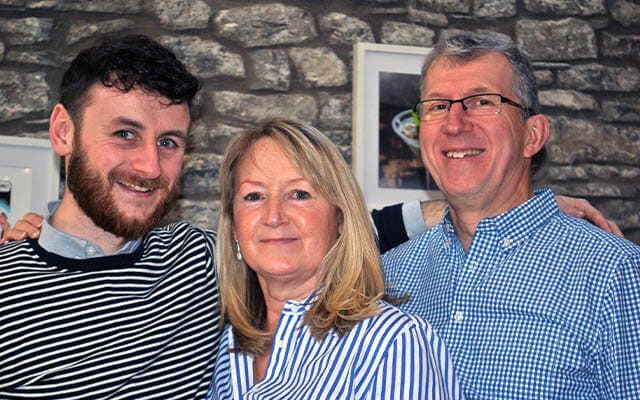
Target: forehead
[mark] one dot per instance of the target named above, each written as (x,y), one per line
(138,105)
(453,78)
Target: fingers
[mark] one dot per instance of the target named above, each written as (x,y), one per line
(28,227)
(581,208)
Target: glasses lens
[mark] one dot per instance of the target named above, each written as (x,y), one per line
(483,104)
(434,109)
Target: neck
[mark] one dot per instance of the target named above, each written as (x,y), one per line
(466,213)
(70,219)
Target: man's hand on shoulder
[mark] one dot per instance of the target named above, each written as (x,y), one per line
(581,208)
(28,227)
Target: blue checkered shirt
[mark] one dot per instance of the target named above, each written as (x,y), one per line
(542,306)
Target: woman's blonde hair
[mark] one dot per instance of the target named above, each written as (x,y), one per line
(351,283)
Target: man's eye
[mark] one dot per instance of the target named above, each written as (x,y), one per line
(301,195)
(252,197)
(167,143)
(124,134)
(440,106)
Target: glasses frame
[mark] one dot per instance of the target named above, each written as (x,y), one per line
(503,99)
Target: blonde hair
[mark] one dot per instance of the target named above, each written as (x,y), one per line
(352,282)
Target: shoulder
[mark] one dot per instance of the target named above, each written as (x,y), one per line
(393,323)
(414,248)
(580,236)
(180,234)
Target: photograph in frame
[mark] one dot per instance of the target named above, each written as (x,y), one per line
(386,156)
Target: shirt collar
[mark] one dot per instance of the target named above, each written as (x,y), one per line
(58,242)
(517,224)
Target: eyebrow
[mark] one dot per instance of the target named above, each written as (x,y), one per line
(473,91)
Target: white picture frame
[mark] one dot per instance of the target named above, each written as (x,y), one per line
(382,76)
(29,175)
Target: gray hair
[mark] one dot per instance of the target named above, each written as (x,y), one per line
(468,46)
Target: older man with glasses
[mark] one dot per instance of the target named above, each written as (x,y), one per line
(531,303)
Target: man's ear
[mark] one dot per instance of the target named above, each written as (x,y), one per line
(537,134)
(61,130)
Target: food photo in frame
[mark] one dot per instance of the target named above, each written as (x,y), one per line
(386,152)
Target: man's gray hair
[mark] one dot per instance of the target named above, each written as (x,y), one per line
(469,46)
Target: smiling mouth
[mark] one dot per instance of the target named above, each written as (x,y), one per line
(462,154)
(133,187)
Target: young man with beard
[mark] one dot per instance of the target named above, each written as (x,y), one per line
(531,303)
(103,305)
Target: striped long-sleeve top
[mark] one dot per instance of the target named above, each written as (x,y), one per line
(393,355)
(142,325)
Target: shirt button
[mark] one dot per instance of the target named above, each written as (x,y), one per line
(91,251)
(447,243)
(506,242)
(458,317)
(280,343)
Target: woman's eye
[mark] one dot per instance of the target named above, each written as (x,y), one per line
(252,197)
(301,195)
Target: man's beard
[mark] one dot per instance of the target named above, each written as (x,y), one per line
(93,195)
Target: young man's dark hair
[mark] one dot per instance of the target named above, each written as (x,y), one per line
(125,63)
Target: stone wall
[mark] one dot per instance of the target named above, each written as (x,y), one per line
(294,58)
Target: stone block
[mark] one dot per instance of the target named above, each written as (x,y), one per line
(600,77)
(111,6)
(622,110)
(318,67)
(564,7)
(544,77)
(265,24)
(205,58)
(566,39)
(406,34)
(427,18)
(621,46)
(269,69)
(180,14)
(33,57)
(494,8)
(254,109)
(339,28)
(335,111)
(200,174)
(444,6)
(571,99)
(626,12)
(83,30)
(581,141)
(30,30)
(22,94)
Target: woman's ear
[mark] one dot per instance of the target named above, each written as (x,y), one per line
(537,134)
(61,130)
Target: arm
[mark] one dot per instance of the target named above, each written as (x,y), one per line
(619,346)
(390,222)
(415,366)
(29,226)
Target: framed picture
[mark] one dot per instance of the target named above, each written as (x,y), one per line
(29,175)
(386,153)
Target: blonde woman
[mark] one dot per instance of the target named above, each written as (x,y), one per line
(301,286)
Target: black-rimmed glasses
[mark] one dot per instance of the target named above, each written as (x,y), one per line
(478,104)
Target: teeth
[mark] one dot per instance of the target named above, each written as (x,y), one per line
(134,187)
(461,154)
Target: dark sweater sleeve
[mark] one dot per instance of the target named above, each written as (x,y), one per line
(390,227)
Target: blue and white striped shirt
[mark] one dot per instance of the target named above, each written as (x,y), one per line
(542,306)
(393,355)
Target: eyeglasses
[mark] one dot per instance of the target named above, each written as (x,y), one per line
(479,104)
